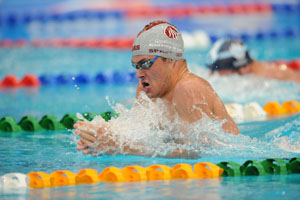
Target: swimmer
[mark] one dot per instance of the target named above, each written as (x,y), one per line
(157,55)
(228,56)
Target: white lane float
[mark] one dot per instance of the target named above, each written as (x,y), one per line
(13,180)
(249,112)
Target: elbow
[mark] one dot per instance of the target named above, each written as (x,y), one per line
(231,128)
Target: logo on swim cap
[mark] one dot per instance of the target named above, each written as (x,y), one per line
(171,32)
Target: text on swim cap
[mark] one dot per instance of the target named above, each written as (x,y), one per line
(164,52)
(136,47)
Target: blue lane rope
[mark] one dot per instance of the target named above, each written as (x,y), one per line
(115,77)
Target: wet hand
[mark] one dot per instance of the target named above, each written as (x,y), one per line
(85,148)
(92,138)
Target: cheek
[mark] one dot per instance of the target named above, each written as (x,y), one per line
(157,77)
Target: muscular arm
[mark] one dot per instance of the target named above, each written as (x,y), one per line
(193,96)
(275,71)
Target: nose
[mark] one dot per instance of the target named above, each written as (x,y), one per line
(140,73)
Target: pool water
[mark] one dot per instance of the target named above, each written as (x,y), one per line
(55,150)
(49,151)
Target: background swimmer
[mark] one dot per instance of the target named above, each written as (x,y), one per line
(228,56)
(164,76)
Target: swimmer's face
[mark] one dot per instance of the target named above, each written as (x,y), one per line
(155,80)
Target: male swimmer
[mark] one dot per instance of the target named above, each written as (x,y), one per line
(228,56)
(157,55)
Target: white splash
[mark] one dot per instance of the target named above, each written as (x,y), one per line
(147,128)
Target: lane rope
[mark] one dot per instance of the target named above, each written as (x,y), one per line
(201,170)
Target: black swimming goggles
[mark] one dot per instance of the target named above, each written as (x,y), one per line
(144,64)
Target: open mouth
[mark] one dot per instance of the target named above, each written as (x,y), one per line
(145,84)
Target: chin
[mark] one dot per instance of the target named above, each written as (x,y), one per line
(150,95)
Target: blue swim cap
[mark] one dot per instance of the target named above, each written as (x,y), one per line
(228,54)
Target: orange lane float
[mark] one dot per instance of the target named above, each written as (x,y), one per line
(87,176)
(287,107)
(207,170)
(182,171)
(39,179)
(62,178)
(274,108)
(291,106)
(129,173)
(158,172)
(111,174)
(134,173)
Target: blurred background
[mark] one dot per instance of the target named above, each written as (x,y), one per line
(113,24)
(49,19)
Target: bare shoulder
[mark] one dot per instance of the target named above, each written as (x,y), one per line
(193,83)
(194,90)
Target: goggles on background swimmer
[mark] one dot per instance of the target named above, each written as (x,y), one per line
(144,64)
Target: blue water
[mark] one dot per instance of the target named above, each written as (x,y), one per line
(56,150)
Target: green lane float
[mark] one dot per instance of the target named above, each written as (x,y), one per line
(294,166)
(89,116)
(252,168)
(48,122)
(9,124)
(230,168)
(274,166)
(69,120)
(108,115)
(29,123)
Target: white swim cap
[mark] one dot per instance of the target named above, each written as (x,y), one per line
(161,39)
